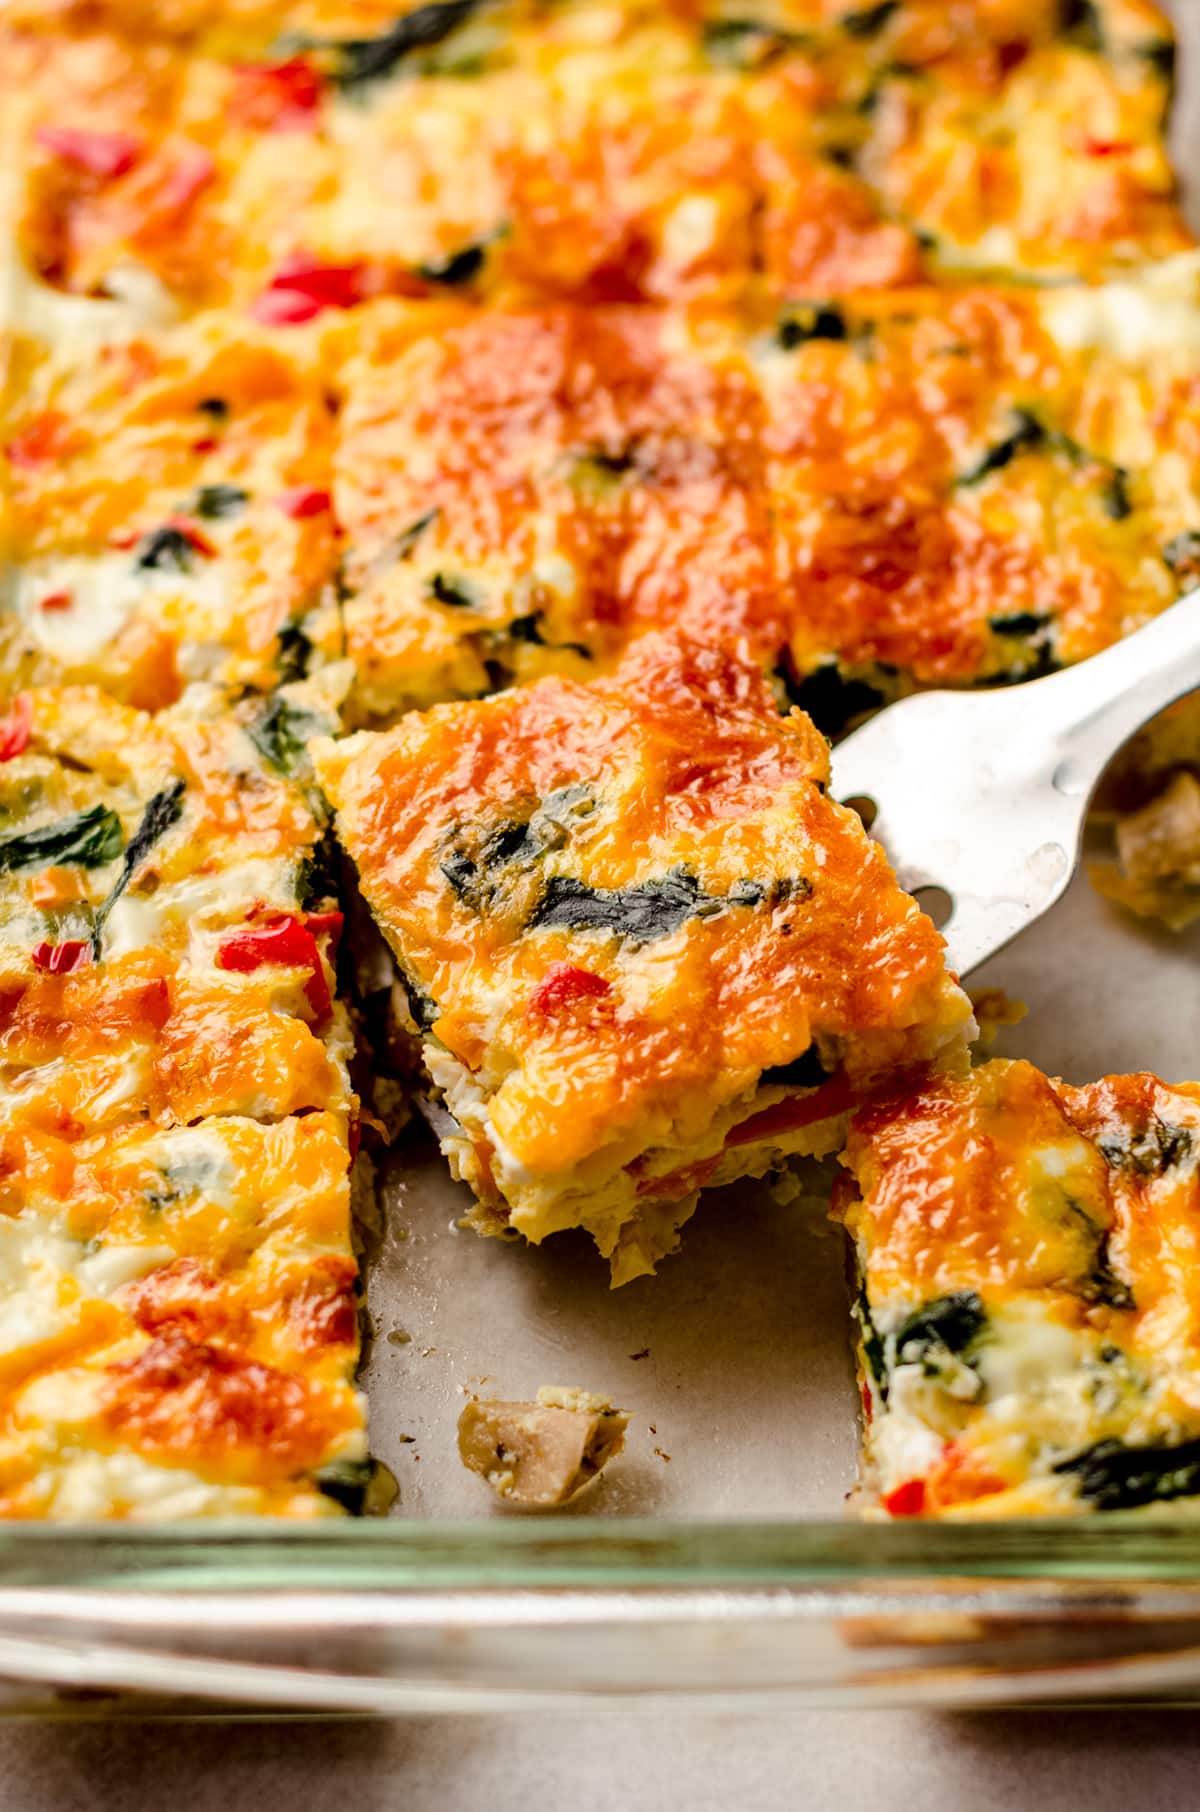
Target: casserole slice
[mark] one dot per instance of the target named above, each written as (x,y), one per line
(1026,1309)
(169,517)
(645,951)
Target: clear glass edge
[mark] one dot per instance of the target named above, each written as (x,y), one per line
(597,1553)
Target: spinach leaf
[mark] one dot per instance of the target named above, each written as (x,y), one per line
(214,501)
(1020,622)
(162,811)
(1113,1476)
(1080,21)
(805,1071)
(1149,1150)
(294,649)
(1182,555)
(952,1322)
(165,550)
(347,1482)
(804,321)
(744,43)
(89,839)
(215,407)
(359,60)
(1026,432)
(868,21)
(1104,1285)
(872,1345)
(1160,54)
(453,591)
(281,732)
(830,698)
(1114,495)
(461,267)
(642,912)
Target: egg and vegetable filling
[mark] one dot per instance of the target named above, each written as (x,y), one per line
(934,487)
(1027,1301)
(298,159)
(646,952)
(168,511)
(178,1322)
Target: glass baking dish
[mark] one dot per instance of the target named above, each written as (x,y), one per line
(714,1557)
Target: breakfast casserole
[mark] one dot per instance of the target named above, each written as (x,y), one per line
(1026,1311)
(646,951)
(294,159)
(178,1317)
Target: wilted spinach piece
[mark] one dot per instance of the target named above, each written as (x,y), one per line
(216,500)
(293,650)
(642,912)
(453,591)
(1025,433)
(165,550)
(460,267)
(1114,495)
(868,21)
(952,1322)
(347,1482)
(1113,1476)
(477,863)
(1151,1150)
(1103,1285)
(87,839)
(162,811)
(744,43)
(358,60)
(872,1345)
(830,698)
(1020,622)
(1160,54)
(281,732)
(1182,555)
(805,1071)
(215,407)
(804,321)
(1080,21)
(320,873)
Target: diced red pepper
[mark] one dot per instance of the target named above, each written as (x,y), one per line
(207,444)
(305,500)
(303,286)
(326,923)
(562,984)
(194,536)
(1106,147)
(907,1499)
(56,600)
(276,97)
(288,943)
(833,1097)
(46,437)
(192,171)
(61,959)
(15,728)
(104,154)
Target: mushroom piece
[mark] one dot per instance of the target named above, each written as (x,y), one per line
(540,1454)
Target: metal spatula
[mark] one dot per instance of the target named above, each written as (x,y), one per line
(984,794)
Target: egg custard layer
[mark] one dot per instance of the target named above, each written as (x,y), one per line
(647,953)
(178,1317)
(1027,1305)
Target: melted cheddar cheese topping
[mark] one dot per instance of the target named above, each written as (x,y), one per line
(633,926)
(1029,1313)
(935,487)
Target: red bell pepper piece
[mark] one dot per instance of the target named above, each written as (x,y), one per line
(303,286)
(276,97)
(562,984)
(15,728)
(104,154)
(305,500)
(46,437)
(290,944)
(61,959)
(907,1499)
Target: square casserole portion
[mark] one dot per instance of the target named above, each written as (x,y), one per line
(647,953)
(1027,1295)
